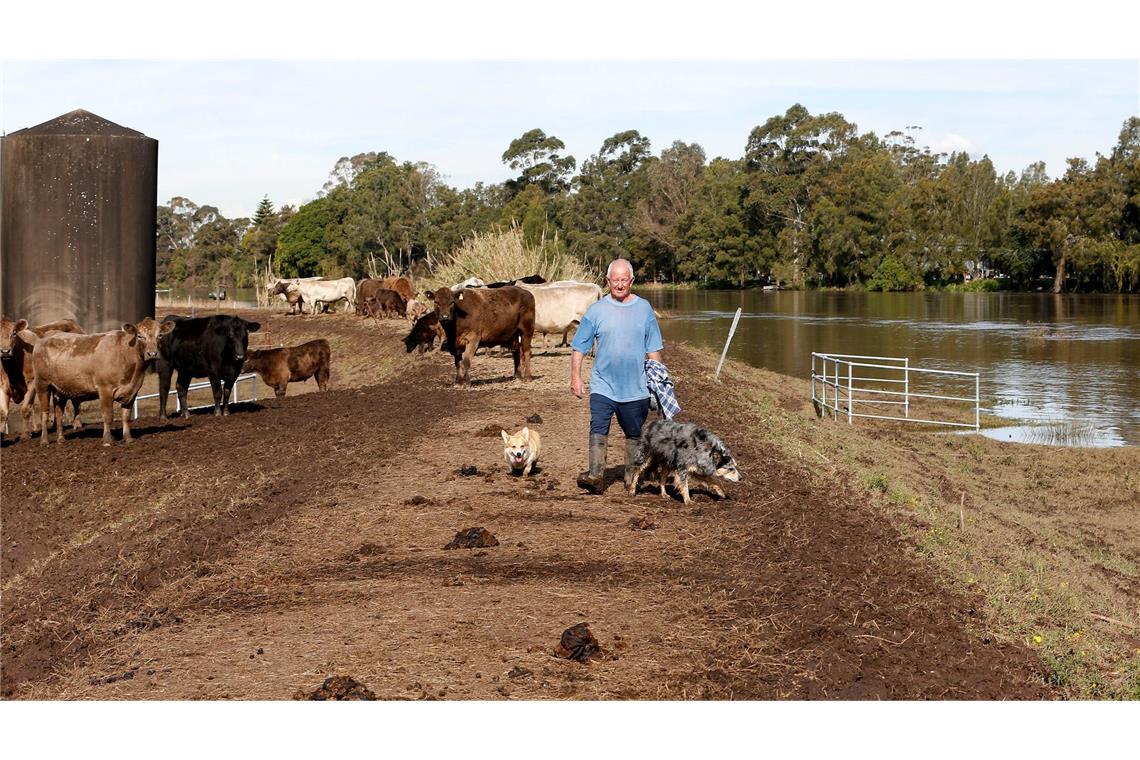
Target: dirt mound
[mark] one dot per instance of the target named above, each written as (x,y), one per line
(338,688)
(472,538)
(578,643)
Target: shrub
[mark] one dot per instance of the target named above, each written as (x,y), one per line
(504,255)
(891,275)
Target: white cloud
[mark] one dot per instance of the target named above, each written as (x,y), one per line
(951,143)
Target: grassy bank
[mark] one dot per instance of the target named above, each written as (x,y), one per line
(1049,537)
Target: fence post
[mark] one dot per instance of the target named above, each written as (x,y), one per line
(850,394)
(906,386)
(731,332)
(977,401)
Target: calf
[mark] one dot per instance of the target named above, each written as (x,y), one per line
(424,333)
(108,366)
(475,317)
(385,303)
(213,347)
(293,297)
(277,367)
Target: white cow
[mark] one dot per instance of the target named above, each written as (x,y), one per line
(327,292)
(558,306)
(470,282)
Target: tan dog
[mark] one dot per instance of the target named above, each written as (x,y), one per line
(521,450)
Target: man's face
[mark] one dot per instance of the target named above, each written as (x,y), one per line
(620,281)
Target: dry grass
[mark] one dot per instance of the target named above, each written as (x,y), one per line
(1050,536)
(504,255)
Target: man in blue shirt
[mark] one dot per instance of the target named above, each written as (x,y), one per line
(627,333)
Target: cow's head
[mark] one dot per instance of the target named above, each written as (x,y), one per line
(143,337)
(280,288)
(423,333)
(8,332)
(234,332)
(444,304)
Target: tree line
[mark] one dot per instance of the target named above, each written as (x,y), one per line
(812,203)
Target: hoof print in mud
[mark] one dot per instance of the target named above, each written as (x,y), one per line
(338,688)
(578,643)
(472,538)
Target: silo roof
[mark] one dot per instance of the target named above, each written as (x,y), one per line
(79,122)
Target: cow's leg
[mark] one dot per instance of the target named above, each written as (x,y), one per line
(27,412)
(127,423)
(323,378)
(468,355)
(164,391)
(60,405)
(107,407)
(183,390)
(524,364)
(216,387)
(279,389)
(76,423)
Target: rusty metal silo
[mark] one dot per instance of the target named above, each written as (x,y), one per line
(77,222)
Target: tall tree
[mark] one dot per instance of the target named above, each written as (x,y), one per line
(538,159)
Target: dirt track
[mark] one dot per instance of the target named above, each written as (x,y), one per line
(251,557)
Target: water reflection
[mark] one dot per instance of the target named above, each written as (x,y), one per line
(1043,357)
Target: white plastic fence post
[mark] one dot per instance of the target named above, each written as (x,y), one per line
(731,332)
(850,395)
(906,386)
(977,401)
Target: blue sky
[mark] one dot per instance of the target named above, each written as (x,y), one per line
(232,129)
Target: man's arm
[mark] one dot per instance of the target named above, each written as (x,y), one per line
(654,355)
(576,386)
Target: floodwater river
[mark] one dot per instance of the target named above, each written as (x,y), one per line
(1064,369)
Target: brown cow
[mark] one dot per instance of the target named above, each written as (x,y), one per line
(424,333)
(385,303)
(278,367)
(5,400)
(368,288)
(17,342)
(472,318)
(108,366)
(401,285)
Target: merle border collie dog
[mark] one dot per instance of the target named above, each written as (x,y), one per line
(686,451)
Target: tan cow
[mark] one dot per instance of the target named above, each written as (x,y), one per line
(558,306)
(278,367)
(17,342)
(108,366)
(5,400)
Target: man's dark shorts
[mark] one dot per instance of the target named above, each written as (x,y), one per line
(631,415)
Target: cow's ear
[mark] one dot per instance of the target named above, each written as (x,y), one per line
(20,326)
(165,327)
(130,329)
(253,326)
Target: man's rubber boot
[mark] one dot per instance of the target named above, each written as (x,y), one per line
(632,459)
(594,479)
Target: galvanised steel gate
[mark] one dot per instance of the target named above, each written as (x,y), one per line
(853,385)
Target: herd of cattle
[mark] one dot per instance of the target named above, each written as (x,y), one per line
(56,363)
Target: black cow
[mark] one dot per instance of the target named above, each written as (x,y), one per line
(213,347)
(530,279)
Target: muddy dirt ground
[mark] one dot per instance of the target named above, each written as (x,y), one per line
(254,556)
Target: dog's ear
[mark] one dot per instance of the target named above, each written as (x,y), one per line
(505,436)
(526,433)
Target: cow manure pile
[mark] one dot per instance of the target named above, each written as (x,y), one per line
(578,643)
(488,431)
(340,688)
(535,419)
(641,523)
(472,538)
(417,500)
(468,470)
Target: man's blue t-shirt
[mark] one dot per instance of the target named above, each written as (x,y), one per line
(626,332)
